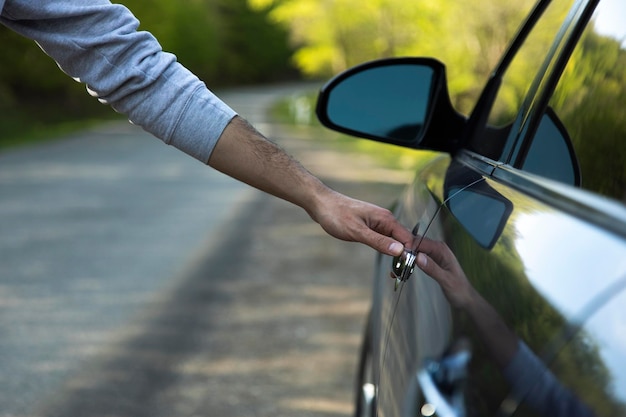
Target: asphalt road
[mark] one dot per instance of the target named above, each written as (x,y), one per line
(135,281)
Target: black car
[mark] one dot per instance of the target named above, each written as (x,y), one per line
(528,192)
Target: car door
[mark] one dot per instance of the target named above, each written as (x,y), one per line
(555,273)
(423,332)
(543,255)
(412,318)
(519,237)
(584,101)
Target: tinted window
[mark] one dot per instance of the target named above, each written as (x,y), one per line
(520,74)
(551,153)
(590,100)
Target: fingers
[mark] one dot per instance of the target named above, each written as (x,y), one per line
(382,244)
(438,251)
(437,260)
(381,236)
(430,267)
(357,221)
(387,235)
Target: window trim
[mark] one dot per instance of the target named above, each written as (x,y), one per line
(479,115)
(586,205)
(543,87)
(525,124)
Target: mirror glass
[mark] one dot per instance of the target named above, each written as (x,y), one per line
(389,101)
(481,210)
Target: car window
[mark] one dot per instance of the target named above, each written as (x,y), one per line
(517,80)
(590,101)
(551,153)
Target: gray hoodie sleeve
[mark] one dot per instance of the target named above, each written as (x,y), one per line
(97,43)
(533,383)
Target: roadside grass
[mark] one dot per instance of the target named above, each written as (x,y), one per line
(299,110)
(26,125)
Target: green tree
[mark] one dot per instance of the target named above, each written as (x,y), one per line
(333,35)
(252,49)
(221,41)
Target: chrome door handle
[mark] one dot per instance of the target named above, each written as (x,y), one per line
(441,383)
(403,265)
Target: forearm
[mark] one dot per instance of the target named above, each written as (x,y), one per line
(246,155)
(499,340)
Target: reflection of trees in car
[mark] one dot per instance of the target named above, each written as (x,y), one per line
(530,380)
(575,381)
(520,72)
(591,101)
(533,319)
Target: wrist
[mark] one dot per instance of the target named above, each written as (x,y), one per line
(315,195)
(473,303)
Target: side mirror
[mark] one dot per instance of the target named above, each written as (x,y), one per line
(482,211)
(402,101)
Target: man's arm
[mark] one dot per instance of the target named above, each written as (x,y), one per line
(246,155)
(98,43)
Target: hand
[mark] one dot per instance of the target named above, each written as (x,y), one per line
(437,261)
(357,221)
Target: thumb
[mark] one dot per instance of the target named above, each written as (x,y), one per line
(430,267)
(383,244)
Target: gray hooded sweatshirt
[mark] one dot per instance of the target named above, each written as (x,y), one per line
(97,43)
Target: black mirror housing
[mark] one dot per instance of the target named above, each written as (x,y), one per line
(402,101)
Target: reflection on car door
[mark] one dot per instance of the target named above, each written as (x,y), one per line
(415,319)
(514,250)
(394,304)
(543,284)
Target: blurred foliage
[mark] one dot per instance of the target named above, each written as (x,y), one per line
(591,102)
(330,36)
(224,42)
(227,42)
(333,35)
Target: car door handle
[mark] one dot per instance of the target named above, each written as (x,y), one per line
(403,265)
(441,383)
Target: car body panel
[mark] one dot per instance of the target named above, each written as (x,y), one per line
(420,205)
(600,381)
(540,292)
(546,256)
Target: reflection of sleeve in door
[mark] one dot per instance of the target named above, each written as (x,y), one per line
(533,383)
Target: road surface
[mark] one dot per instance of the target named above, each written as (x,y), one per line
(135,281)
